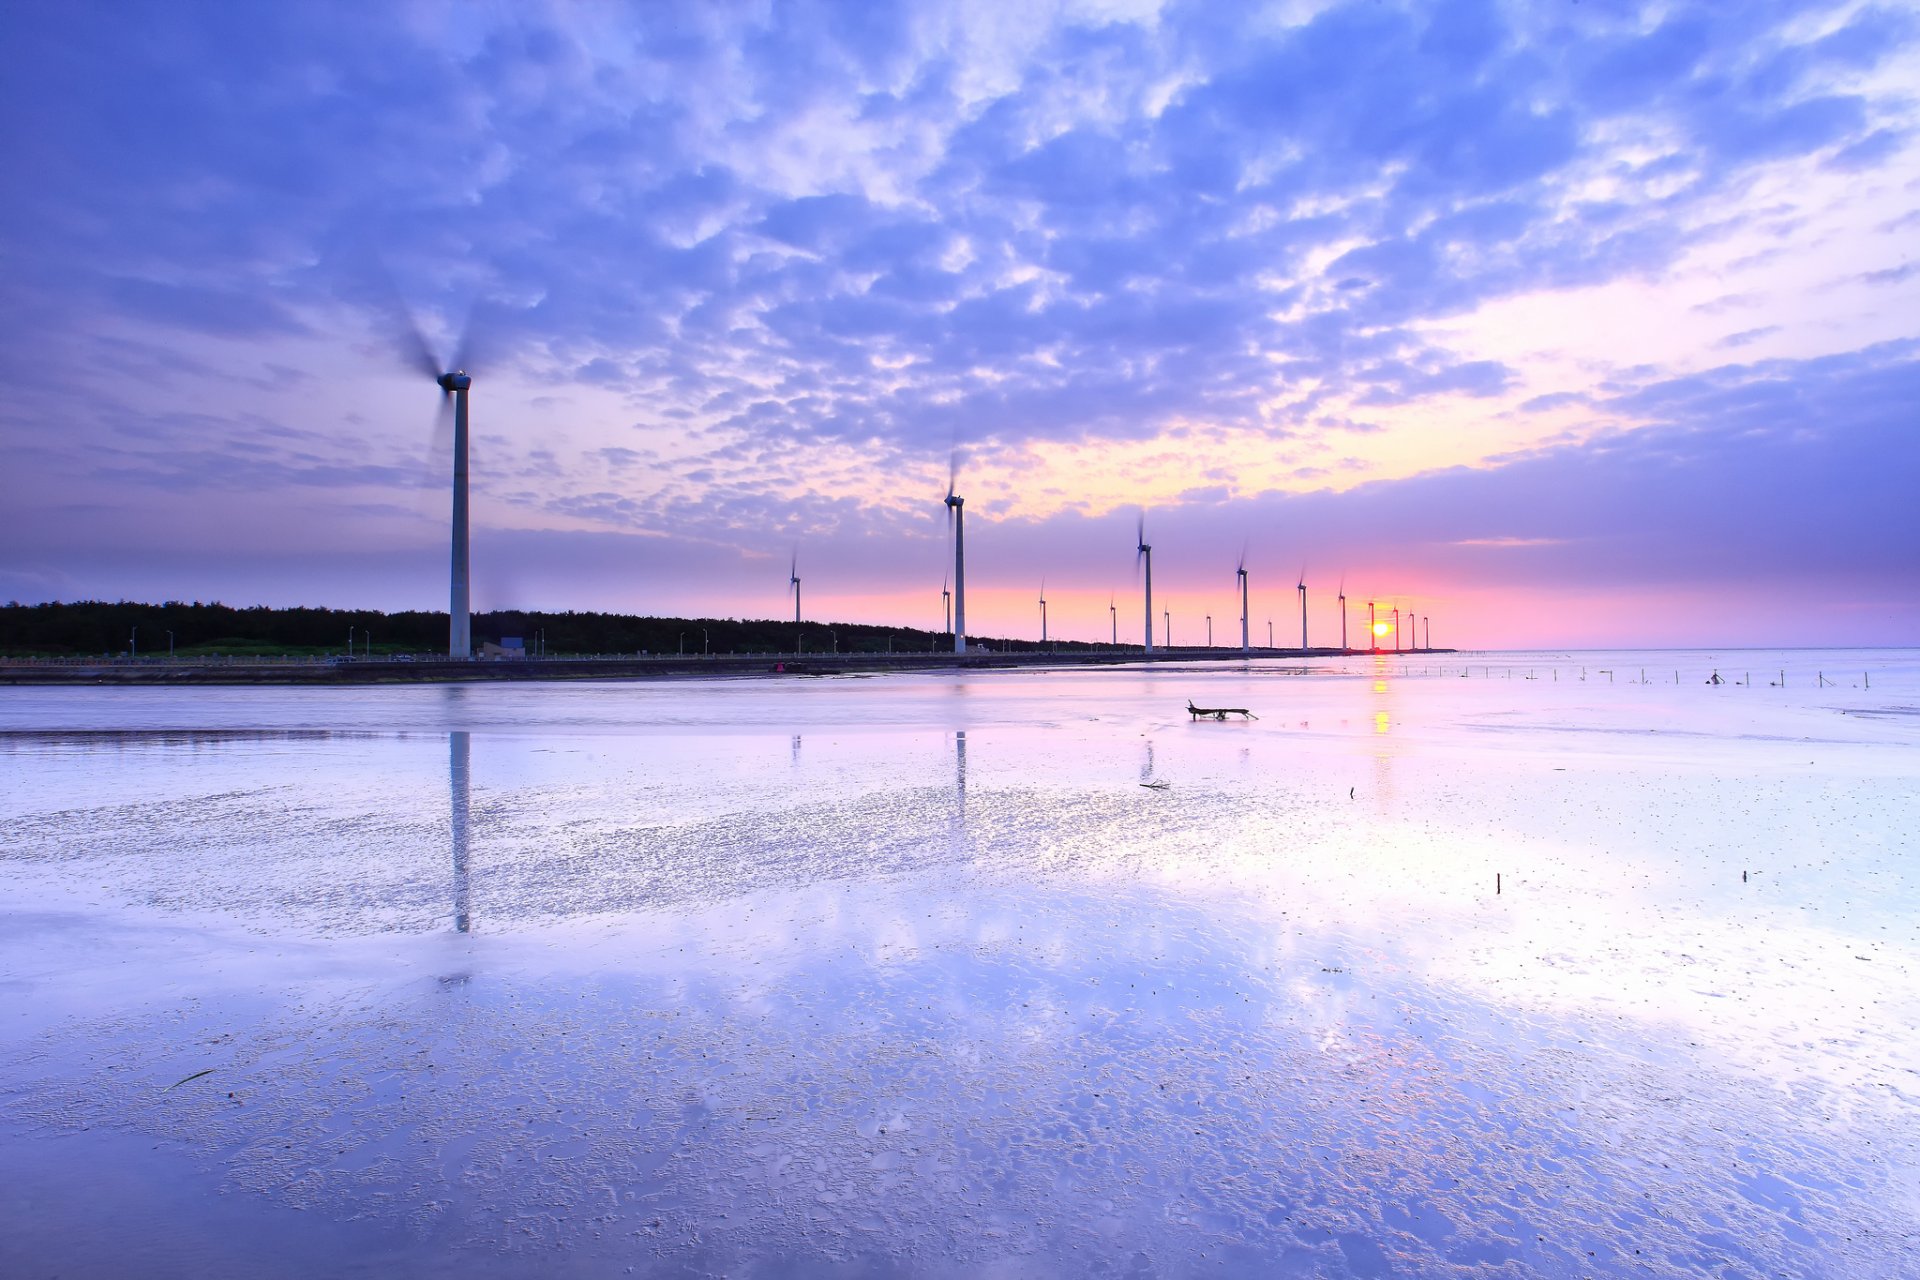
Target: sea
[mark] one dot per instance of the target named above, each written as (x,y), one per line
(1491,964)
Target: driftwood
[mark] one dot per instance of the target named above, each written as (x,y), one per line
(1217,713)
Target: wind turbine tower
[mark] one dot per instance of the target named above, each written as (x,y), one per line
(1303,608)
(793,585)
(1144,554)
(1343,614)
(1373,637)
(459,608)
(1043,612)
(1241,573)
(957,519)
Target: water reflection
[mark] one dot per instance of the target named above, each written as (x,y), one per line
(959,791)
(459,788)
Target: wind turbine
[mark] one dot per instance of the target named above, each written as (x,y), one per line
(1113,617)
(957,521)
(454,385)
(1303,608)
(1396,628)
(1343,613)
(793,584)
(946,604)
(1373,637)
(1143,554)
(1241,573)
(1428,624)
(1043,612)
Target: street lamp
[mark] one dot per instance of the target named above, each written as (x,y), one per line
(703,641)
(133,642)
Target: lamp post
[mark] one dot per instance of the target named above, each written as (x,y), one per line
(169,646)
(133,642)
(349,642)
(704,650)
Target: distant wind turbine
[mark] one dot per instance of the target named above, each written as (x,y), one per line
(1043,612)
(1143,554)
(1343,613)
(957,521)
(1241,573)
(793,584)
(1113,617)
(1303,608)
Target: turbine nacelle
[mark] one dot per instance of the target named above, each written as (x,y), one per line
(455,381)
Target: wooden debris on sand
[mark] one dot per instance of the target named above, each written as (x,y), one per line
(1217,713)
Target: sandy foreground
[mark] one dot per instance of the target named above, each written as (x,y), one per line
(1476,969)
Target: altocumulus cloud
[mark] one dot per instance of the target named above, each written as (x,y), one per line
(759,263)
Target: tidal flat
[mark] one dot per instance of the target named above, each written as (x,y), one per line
(1493,965)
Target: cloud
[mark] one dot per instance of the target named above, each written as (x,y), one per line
(747,267)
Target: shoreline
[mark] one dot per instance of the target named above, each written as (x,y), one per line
(365,671)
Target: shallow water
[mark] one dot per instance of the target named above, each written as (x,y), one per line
(1012,974)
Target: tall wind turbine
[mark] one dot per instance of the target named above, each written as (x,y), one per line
(793,584)
(946,604)
(454,384)
(1113,618)
(957,521)
(1303,608)
(1241,573)
(1343,613)
(1396,628)
(1043,612)
(1373,637)
(1143,554)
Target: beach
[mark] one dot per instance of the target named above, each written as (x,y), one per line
(1508,964)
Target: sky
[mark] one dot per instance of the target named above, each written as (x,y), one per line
(1558,323)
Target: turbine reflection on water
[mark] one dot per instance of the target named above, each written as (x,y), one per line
(459,787)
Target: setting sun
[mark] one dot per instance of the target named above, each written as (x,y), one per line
(1381,628)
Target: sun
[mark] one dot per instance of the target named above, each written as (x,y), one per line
(1381,628)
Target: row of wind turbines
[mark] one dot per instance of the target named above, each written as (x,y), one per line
(455,385)
(953,598)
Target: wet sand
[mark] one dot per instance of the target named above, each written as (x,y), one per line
(1011,974)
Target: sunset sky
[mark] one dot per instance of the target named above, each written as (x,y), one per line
(1562,323)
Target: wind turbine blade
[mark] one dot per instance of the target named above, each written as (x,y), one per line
(953,471)
(404,331)
(472,346)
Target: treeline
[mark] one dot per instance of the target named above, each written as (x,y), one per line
(98,628)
